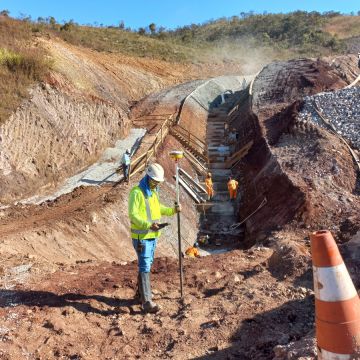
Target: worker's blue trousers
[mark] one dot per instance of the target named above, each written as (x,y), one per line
(145,250)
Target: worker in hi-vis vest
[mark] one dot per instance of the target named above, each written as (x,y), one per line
(209,186)
(193,251)
(232,187)
(145,212)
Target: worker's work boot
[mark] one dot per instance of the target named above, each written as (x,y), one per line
(147,304)
(138,295)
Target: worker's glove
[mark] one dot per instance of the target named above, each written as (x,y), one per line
(154,227)
(177,208)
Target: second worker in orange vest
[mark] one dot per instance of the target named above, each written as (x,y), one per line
(209,186)
(193,251)
(232,187)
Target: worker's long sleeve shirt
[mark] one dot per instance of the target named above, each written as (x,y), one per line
(125,160)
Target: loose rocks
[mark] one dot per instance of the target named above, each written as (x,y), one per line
(341,108)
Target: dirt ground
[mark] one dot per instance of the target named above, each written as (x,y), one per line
(88,311)
(68,275)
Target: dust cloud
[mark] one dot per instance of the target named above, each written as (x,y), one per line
(246,52)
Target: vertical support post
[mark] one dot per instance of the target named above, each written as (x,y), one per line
(179,231)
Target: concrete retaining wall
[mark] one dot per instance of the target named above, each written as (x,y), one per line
(197,104)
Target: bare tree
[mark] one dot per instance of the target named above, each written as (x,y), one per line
(5,13)
(141,31)
(152,28)
(52,21)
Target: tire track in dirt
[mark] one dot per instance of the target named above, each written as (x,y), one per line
(61,209)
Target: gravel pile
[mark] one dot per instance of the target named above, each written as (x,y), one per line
(341,108)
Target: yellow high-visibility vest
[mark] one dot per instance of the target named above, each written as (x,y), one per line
(143,212)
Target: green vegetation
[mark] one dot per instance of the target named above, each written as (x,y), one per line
(283,35)
(299,31)
(10,59)
(21,64)
(28,63)
(295,34)
(118,40)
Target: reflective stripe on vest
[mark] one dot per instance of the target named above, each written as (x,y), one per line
(148,214)
(139,232)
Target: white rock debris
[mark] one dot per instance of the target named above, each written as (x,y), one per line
(341,108)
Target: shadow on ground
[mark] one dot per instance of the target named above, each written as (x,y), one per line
(13,298)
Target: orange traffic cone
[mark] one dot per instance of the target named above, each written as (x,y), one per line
(337,305)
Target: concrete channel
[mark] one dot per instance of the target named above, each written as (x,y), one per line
(211,104)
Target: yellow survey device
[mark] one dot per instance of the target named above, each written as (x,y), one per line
(176,155)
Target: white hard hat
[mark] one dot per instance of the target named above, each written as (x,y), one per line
(155,172)
(128,151)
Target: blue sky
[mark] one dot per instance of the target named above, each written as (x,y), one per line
(167,13)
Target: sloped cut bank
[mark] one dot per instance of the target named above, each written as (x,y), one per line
(302,171)
(51,136)
(262,180)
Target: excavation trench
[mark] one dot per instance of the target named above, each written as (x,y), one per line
(231,134)
(220,151)
(234,142)
(219,219)
(290,173)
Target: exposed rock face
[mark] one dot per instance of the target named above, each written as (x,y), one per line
(345,65)
(285,82)
(50,136)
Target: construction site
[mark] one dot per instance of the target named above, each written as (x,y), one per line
(286,131)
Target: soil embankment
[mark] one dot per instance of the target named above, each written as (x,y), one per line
(304,172)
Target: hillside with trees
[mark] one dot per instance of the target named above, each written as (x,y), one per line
(244,38)
(294,34)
